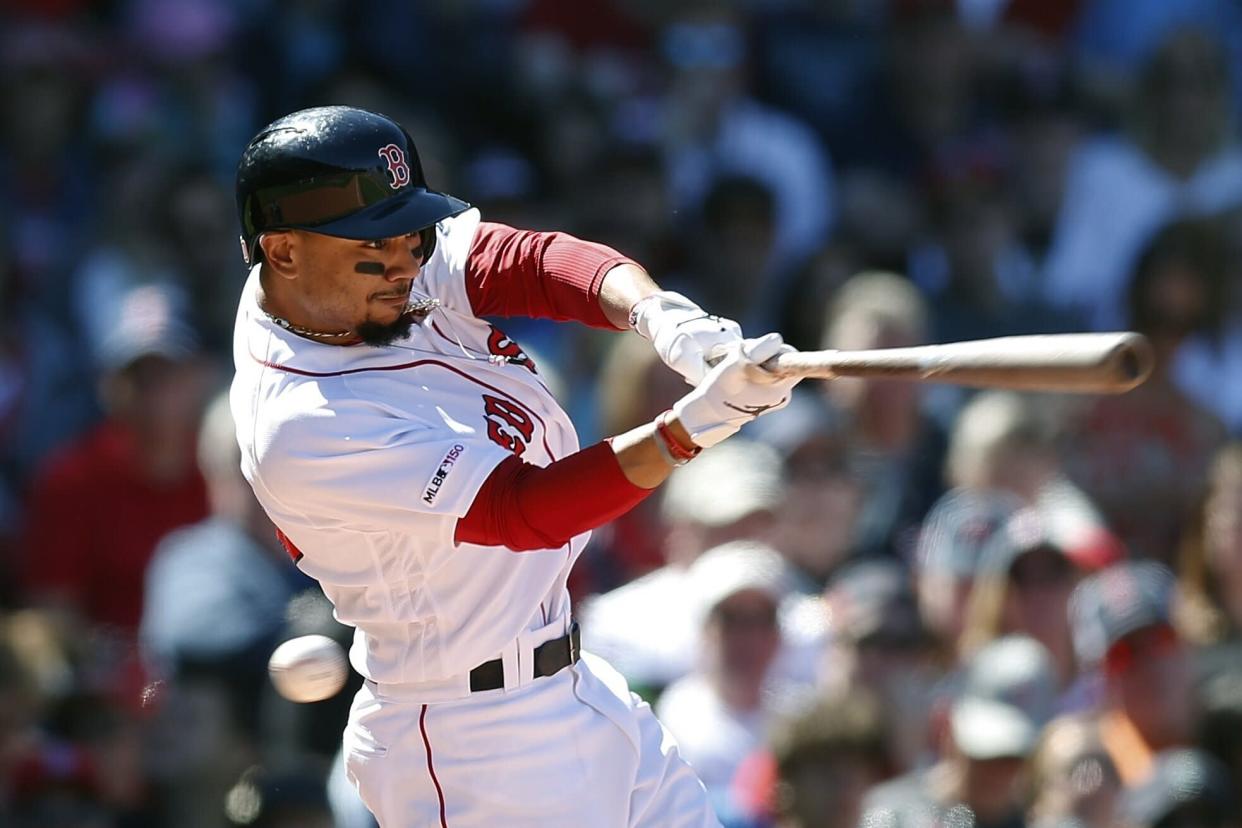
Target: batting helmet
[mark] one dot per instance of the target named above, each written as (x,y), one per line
(338,171)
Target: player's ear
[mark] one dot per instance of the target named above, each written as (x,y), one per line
(279,252)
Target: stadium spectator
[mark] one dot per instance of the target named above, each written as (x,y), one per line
(728,267)
(1121,620)
(1210,580)
(216,590)
(1008,695)
(818,765)
(1179,158)
(878,646)
(1185,787)
(1007,441)
(980,278)
(1073,779)
(946,560)
(634,387)
(1143,457)
(720,713)
(895,450)
(1207,355)
(99,506)
(713,126)
(646,628)
(1023,587)
(815,521)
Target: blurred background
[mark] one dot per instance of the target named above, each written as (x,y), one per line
(915,607)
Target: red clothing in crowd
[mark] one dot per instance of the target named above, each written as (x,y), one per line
(94,522)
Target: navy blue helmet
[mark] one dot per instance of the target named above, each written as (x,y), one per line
(339,171)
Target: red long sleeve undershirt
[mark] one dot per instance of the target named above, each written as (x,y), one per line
(544,276)
(513,272)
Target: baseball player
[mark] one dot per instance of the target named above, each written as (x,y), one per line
(418,467)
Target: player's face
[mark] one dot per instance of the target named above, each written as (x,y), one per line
(363,286)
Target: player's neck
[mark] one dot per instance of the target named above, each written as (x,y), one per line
(286,312)
(272,299)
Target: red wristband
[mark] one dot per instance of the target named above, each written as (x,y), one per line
(680,453)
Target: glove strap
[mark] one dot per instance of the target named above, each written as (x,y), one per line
(644,310)
(679,454)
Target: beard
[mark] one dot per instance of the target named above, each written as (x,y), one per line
(381,334)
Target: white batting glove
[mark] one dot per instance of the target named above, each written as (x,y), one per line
(683,334)
(735,392)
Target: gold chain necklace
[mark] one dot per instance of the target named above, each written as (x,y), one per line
(418,309)
(307,332)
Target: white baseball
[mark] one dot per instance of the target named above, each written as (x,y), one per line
(308,668)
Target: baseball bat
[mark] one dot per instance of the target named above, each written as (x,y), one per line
(1088,363)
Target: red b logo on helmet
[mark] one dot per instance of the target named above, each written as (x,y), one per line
(398,167)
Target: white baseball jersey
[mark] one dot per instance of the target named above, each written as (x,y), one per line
(366,457)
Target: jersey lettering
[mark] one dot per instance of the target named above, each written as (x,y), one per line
(508,425)
(499,344)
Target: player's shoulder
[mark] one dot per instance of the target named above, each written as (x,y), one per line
(455,233)
(443,275)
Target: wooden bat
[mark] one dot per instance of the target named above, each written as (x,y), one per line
(1088,363)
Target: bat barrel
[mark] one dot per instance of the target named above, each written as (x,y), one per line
(1133,360)
(1083,363)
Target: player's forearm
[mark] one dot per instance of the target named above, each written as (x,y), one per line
(644,457)
(524,507)
(620,291)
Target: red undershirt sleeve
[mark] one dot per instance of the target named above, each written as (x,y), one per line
(522,507)
(512,272)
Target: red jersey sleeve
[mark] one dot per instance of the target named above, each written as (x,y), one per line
(521,506)
(513,272)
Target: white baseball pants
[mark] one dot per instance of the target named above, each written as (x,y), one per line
(576,749)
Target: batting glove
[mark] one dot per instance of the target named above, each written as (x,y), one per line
(735,392)
(683,334)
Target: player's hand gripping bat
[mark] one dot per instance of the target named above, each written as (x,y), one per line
(1089,363)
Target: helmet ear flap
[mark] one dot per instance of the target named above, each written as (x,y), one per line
(428,238)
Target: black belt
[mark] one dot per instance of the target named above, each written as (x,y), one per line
(550,657)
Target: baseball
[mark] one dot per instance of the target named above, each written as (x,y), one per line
(308,668)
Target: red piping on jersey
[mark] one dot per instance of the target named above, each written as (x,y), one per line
(436,328)
(289,546)
(431,768)
(401,367)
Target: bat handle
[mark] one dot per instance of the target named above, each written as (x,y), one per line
(784,364)
(793,363)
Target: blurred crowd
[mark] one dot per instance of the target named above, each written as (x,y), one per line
(886,605)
